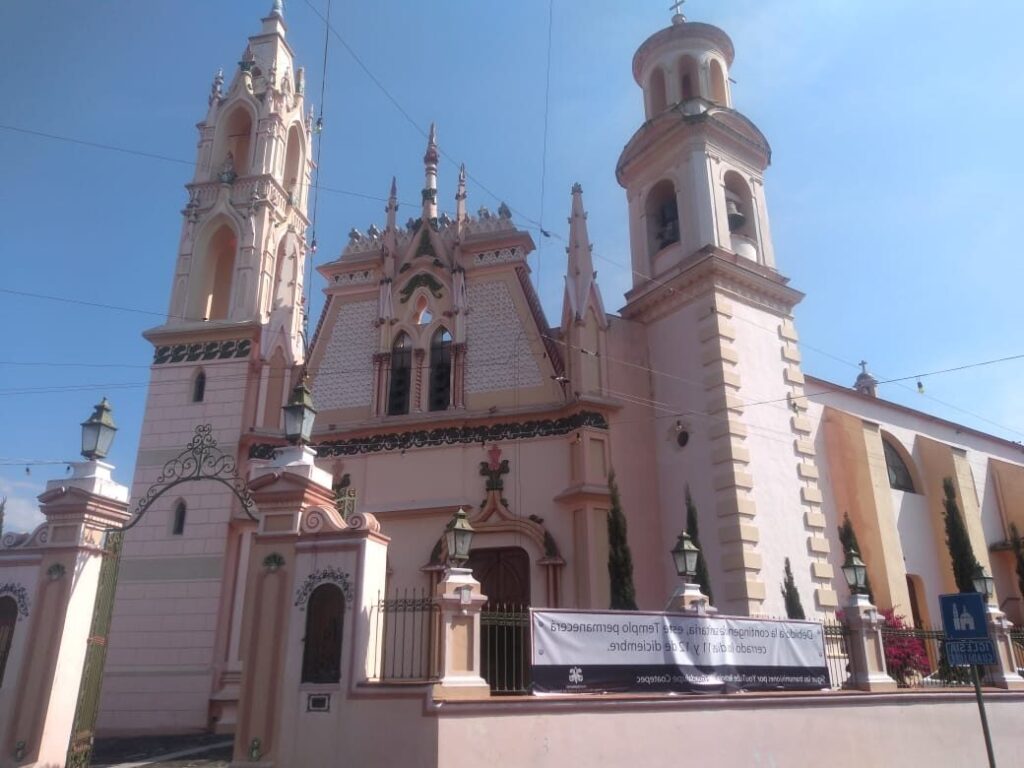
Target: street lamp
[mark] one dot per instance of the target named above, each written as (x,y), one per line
(98,432)
(983,583)
(685,554)
(855,573)
(299,414)
(459,538)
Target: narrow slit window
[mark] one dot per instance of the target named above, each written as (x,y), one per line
(199,387)
(178,520)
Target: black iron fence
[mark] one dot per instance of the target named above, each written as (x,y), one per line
(1017,644)
(916,658)
(407,623)
(837,652)
(505,648)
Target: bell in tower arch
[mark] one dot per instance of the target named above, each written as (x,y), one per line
(734,211)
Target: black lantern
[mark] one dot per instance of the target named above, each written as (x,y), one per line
(459,538)
(983,583)
(685,554)
(98,432)
(855,573)
(299,414)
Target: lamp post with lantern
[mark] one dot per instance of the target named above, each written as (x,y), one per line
(461,601)
(687,598)
(864,622)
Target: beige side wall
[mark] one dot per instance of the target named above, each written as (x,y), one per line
(840,731)
(860,486)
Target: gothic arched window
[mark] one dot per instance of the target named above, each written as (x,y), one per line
(900,478)
(401,376)
(321,655)
(178,521)
(8,617)
(199,387)
(440,370)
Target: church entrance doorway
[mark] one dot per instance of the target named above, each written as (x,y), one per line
(504,576)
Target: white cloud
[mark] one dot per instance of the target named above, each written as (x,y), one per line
(22,512)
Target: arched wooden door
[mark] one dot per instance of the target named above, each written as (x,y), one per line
(504,576)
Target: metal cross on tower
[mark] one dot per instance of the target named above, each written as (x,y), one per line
(677,6)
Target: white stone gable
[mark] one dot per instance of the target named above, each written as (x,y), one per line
(345,376)
(497,345)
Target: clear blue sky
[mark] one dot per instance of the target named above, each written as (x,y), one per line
(894,191)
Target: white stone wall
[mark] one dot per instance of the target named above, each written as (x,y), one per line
(345,376)
(159,665)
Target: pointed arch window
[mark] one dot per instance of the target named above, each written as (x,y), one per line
(900,478)
(178,520)
(401,376)
(199,387)
(8,618)
(441,370)
(321,653)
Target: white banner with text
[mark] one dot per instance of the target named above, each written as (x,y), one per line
(592,652)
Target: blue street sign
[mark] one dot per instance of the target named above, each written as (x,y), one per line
(962,653)
(964,622)
(963,616)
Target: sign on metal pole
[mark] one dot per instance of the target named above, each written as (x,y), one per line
(965,623)
(968,643)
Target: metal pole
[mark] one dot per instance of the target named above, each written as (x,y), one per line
(984,719)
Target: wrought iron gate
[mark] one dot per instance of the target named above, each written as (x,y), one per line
(80,746)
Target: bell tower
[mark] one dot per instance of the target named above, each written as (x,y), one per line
(226,356)
(723,347)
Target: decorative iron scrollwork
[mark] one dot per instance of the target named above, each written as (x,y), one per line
(201,460)
(20,595)
(331,574)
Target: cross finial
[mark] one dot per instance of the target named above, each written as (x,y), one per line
(864,366)
(677,17)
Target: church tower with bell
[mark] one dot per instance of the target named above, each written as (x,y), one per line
(720,330)
(227,356)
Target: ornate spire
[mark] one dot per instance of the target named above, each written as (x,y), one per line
(460,198)
(392,208)
(277,9)
(217,87)
(579,280)
(430,173)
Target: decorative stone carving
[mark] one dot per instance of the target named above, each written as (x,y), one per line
(401,441)
(498,257)
(234,349)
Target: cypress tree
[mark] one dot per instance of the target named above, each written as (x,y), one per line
(794,608)
(703,577)
(959,543)
(849,541)
(620,560)
(1018,554)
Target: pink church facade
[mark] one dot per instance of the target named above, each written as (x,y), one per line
(440,385)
